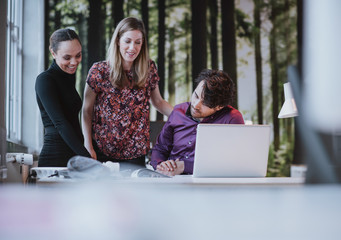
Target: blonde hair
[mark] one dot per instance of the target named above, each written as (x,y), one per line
(140,66)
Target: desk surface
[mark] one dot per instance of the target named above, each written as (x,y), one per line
(142,175)
(238,181)
(181,207)
(190,180)
(126,210)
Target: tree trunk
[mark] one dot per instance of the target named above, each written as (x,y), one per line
(299,150)
(274,75)
(145,16)
(104,37)
(213,36)
(258,60)
(57,17)
(288,121)
(95,23)
(229,42)
(188,55)
(82,31)
(171,68)
(47,34)
(117,11)
(199,46)
(161,51)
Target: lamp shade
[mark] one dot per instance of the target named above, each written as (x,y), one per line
(289,108)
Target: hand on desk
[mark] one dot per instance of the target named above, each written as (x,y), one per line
(91,151)
(171,167)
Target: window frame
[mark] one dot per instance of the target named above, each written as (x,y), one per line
(14,59)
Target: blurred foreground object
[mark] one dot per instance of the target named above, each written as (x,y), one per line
(321,64)
(321,114)
(122,210)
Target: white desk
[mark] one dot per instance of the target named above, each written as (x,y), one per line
(190,180)
(149,176)
(231,181)
(126,210)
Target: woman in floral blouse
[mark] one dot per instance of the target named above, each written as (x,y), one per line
(115,117)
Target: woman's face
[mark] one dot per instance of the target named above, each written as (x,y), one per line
(130,46)
(68,55)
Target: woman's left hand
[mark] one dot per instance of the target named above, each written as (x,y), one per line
(159,103)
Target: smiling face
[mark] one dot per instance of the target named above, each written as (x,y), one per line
(130,46)
(198,109)
(68,56)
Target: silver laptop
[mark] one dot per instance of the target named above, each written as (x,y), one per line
(231,150)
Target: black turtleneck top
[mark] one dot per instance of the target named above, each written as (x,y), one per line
(59,105)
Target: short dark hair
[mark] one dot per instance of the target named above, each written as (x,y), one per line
(61,35)
(218,89)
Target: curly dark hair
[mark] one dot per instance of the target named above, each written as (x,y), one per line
(218,89)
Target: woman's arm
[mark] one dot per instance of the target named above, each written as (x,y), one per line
(87,112)
(159,103)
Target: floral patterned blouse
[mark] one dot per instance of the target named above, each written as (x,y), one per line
(120,124)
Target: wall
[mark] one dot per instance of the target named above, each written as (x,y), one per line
(33,64)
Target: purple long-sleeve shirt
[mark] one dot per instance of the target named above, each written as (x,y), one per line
(177,137)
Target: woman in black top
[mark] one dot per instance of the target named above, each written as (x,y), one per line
(59,102)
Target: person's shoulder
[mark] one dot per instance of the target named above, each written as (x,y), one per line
(44,77)
(232,111)
(101,65)
(98,71)
(179,112)
(235,114)
(182,107)
(45,82)
(152,63)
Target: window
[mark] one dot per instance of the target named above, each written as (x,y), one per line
(14,70)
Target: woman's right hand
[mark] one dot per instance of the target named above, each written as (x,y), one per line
(92,152)
(87,112)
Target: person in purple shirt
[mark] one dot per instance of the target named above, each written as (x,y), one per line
(173,152)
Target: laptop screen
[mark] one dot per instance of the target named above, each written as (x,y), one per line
(231,150)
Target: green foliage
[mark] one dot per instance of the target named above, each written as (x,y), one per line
(133,8)
(279,162)
(244,26)
(153,29)
(71,11)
